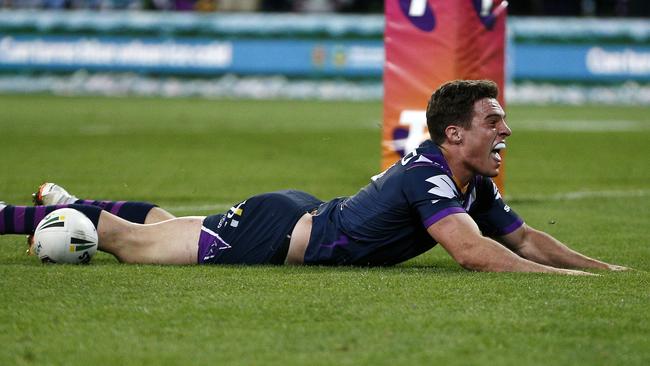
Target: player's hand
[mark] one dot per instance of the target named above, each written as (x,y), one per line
(575,272)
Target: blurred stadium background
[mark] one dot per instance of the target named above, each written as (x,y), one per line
(574,52)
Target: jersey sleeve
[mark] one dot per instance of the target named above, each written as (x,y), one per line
(432,193)
(492,215)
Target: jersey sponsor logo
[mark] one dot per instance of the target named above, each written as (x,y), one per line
(443,187)
(419,13)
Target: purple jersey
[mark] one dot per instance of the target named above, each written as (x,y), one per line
(386,222)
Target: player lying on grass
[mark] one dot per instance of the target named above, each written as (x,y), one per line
(441,193)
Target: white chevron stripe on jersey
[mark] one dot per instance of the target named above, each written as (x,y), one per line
(497,194)
(443,186)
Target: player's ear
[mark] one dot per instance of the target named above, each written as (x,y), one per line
(454,134)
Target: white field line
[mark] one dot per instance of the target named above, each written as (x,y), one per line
(214,208)
(580,125)
(578,195)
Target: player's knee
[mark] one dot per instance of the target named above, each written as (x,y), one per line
(157,214)
(130,244)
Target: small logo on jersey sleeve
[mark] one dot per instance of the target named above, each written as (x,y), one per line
(443,187)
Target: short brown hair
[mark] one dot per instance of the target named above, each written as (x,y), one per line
(453,103)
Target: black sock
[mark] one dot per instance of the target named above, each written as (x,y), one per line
(131,211)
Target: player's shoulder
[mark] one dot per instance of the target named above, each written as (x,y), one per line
(426,161)
(430,173)
(428,155)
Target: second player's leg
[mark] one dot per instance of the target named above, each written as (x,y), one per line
(173,241)
(49,194)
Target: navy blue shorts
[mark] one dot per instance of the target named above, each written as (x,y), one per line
(255,231)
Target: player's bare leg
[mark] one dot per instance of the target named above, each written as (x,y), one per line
(50,194)
(158,214)
(173,241)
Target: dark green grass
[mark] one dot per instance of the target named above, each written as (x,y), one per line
(196,155)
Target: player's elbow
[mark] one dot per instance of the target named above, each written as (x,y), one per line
(472,263)
(484,256)
(471,259)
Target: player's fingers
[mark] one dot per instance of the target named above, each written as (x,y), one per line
(574,272)
(617,268)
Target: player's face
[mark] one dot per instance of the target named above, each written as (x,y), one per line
(485,138)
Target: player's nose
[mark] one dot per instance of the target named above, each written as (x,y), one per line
(505,129)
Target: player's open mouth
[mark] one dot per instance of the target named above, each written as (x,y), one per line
(495,151)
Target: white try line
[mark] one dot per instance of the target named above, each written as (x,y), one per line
(580,125)
(214,208)
(579,195)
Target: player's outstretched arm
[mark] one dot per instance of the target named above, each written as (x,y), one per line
(461,238)
(542,248)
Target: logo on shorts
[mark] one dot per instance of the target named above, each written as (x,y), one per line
(234,214)
(216,245)
(219,244)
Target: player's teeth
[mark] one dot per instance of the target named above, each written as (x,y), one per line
(500,146)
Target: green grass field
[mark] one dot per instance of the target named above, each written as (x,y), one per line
(580,173)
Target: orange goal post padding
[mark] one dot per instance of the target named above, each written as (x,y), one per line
(430,42)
